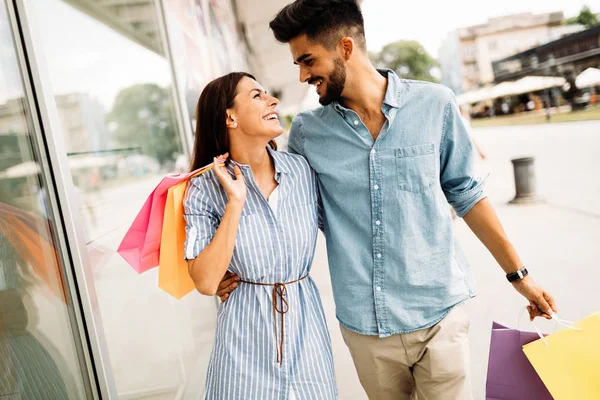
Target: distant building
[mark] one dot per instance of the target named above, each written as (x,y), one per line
(452,74)
(567,56)
(84,125)
(82,117)
(478,46)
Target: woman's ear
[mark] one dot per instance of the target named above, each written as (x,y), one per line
(231,122)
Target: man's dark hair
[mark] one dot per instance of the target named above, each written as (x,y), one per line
(323,21)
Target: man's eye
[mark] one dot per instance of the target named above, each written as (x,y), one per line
(309,62)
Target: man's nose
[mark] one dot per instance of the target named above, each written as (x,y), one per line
(304,74)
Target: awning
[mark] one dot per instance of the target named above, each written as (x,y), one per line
(589,77)
(475,96)
(529,84)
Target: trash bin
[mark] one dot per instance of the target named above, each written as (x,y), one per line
(525,182)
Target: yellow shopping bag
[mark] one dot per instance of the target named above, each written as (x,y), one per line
(173,275)
(568,362)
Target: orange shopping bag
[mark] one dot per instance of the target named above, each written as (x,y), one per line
(173,275)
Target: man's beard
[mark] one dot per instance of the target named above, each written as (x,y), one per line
(335,83)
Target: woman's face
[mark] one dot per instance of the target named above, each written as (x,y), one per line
(254,112)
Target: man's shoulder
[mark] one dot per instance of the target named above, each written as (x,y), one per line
(312,115)
(415,89)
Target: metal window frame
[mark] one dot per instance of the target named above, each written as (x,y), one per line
(181,111)
(49,140)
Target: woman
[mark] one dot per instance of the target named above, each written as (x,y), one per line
(257,217)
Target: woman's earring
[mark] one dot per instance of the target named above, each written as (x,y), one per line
(234,124)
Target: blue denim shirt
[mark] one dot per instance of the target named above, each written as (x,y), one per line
(395,265)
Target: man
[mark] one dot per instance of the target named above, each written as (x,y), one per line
(390,154)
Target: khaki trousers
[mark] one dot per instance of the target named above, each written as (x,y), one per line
(429,364)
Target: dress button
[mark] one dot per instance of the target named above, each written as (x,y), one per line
(379,255)
(355,122)
(378,288)
(377,222)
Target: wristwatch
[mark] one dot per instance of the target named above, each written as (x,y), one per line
(517,275)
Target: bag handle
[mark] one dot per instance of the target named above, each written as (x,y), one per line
(565,323)
(206,168)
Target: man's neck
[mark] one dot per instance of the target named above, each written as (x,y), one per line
(366,92)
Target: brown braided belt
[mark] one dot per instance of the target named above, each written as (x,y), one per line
(279,293)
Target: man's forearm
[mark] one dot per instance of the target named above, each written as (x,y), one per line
(484,222)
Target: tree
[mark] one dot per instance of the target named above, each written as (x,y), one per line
(408,59)
(142,115)
(586,18)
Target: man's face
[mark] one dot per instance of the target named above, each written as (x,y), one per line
(320,67)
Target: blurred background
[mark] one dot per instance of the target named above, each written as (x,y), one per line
(97,101)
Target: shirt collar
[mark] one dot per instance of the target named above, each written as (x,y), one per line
(392,93)
(280,165)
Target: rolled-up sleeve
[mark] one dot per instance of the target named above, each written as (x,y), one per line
(201,222)
(457,163)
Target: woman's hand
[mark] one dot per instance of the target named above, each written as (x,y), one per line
(235,188)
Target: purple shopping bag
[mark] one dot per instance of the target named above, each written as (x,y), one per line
(510,374)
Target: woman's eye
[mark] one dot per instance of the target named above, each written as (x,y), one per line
(257,95)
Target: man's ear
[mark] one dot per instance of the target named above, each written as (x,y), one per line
(347,47)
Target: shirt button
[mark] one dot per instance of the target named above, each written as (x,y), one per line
(373,151)
(377,222)
(378,288)
(355,122)
(376,187)
(379,255)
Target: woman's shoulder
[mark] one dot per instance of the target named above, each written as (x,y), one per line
(293,162)
(203,185)
(205,180)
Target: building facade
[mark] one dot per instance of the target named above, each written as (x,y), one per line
(480,45)
(568,56)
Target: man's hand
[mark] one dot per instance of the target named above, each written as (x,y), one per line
(227,285)
(541,303)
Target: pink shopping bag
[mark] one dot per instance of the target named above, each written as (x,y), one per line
(141,245)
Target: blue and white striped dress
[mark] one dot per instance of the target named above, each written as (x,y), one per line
(270,248)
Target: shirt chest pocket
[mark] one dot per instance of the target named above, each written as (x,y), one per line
(415,167)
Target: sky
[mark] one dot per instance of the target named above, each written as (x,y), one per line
(430,21)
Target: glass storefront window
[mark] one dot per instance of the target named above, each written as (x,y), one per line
(39,353)
(113,92)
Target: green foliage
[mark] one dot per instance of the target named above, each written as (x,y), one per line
(142,115)
(586,18)
(408,59)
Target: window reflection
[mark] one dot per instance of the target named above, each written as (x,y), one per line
(38,352)
(113,95)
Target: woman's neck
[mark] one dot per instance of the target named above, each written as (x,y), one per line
(255,156)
